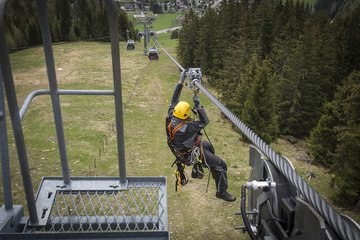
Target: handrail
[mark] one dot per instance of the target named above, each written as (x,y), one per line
(40,92)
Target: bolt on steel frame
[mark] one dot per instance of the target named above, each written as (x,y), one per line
(81,207)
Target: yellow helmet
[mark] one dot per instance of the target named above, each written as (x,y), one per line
(182,110)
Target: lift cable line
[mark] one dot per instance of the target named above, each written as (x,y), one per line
(342,225)
(173,59)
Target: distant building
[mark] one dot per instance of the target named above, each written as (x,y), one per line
(128,7)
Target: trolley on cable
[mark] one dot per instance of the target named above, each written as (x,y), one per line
(69,207)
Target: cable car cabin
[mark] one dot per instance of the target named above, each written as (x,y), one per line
(130,45)
(195,73)
(153,54)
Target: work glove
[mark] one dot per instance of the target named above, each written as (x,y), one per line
(196,100)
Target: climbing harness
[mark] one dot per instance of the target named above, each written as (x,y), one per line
(172,132)
(180,176)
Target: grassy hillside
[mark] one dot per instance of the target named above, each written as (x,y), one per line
(89,120)
(163,21)
(166,20)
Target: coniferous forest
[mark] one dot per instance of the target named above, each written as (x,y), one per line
(285,69)
(69,21)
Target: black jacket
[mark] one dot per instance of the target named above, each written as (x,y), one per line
(187,136)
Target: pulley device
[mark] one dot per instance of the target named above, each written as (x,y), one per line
(250,218)
(194,74)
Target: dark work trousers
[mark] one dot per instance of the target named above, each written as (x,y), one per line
(217,166)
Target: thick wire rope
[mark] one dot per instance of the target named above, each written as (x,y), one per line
(345,228)
(178,64)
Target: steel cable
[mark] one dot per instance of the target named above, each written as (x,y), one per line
(331,216)
(178,64)
(344,228)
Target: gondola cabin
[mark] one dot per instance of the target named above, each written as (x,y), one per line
(130,45)
(153,54)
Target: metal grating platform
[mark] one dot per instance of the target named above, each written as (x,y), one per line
(98,204)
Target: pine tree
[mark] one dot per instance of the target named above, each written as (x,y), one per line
(259,109)
(246,80)
(323,140)
(347,160)
(124,25)
(100,22)
(327,63)
(226,30)
(17,16)
(34,32)
(348,40)
(187,40)
(298,58)
(64,16)
(83,21)
(206,42)
(287,87)
(264,13)
(231,78)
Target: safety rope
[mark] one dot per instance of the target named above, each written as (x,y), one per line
(178,180)
(204,157)
(341,224)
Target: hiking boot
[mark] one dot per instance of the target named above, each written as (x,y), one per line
(225,196)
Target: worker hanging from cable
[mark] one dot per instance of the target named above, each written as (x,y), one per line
(184,140)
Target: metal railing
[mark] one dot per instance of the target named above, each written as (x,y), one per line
(74,206)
